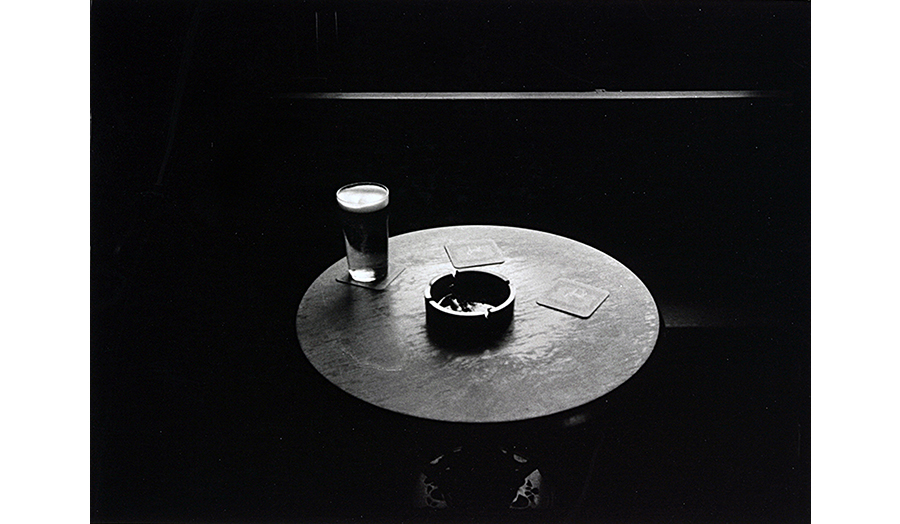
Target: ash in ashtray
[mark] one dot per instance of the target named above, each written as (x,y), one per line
(454,303)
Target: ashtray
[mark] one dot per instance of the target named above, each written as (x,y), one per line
(469,306)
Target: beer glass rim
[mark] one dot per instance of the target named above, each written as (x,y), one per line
(387,192)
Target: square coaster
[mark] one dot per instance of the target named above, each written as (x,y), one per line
(574,298)
(474,253)
(393,273)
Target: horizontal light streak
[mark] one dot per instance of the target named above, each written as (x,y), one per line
(535,95)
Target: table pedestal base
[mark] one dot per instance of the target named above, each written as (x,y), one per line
(482,479)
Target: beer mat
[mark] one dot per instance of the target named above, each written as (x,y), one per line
(574,298)
(393,273)
(474,253)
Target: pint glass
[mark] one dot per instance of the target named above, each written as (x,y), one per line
(363,209)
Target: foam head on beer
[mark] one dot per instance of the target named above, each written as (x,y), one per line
(363,198)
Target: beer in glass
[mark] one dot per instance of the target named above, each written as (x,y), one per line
(363,209)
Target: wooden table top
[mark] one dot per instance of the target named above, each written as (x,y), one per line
(374,344)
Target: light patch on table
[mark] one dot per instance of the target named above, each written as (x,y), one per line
(385,354)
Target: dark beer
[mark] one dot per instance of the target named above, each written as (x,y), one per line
(363,210)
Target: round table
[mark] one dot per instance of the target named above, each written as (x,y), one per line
(374,344)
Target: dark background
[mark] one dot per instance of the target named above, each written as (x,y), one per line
(211,213)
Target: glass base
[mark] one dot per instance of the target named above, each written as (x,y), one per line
(366,275)
(378,285)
